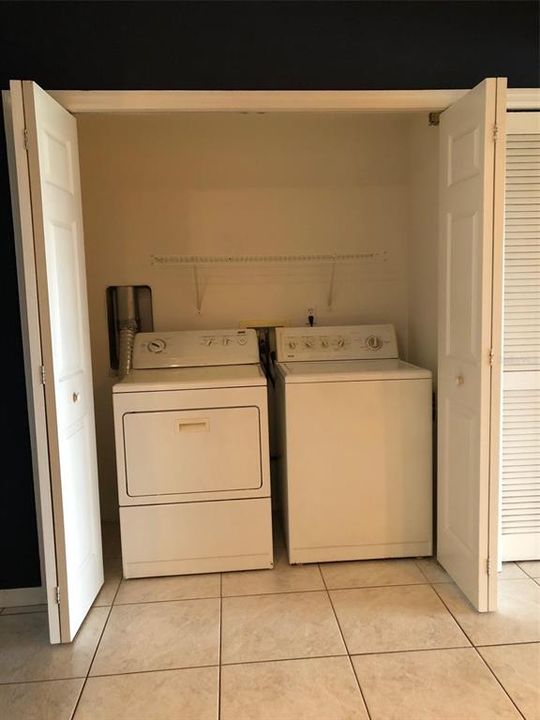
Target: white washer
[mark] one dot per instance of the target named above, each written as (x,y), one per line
(356,444)
(191,428)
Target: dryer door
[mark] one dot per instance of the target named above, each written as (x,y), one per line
(176,452)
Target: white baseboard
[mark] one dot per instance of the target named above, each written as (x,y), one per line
(23,596)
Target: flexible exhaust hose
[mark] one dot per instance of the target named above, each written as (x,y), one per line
(125,348)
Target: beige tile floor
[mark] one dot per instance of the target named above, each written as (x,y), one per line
(373,640)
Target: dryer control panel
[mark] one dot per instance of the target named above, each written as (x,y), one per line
(195,348)
(348,342)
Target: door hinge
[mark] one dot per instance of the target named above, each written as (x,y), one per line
(491,356)
(57,594)
(25,133)
(495,134)
(42,373)
(488,566)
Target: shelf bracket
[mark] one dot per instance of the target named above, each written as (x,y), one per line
(197,284)
(331,285)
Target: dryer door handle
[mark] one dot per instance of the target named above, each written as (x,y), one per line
(202,425)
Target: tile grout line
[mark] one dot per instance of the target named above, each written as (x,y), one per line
(523,569)
(95,652)
(421,571)
(220,649)
(108,675)
(379,587)
(410,650)
(282,659)
(480,656)
(157,602)
(314,590)
(483,660)
(509,644)
(345,644)
(37,682)
(450,612)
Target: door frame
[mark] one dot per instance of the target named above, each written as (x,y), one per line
(149,101)
(132,101)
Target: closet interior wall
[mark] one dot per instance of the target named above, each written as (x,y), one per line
(218,184)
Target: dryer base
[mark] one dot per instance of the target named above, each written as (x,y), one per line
(187,538)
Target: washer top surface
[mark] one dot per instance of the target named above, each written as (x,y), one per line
(350,371)
(191,378)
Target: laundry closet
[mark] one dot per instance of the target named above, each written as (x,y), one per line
(286,188)
(256,217)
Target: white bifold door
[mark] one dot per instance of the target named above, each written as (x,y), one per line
(471,216)
(44,170)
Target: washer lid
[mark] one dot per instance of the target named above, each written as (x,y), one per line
(350,371)
(192,378)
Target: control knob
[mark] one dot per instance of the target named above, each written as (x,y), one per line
(373,342)
(156,346)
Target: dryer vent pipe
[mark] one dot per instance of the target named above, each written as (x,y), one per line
(128,324)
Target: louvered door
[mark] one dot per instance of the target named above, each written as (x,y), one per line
(520,525)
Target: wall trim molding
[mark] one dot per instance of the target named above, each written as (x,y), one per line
(149,101)
(127,101)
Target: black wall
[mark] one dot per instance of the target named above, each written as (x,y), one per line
(224,45)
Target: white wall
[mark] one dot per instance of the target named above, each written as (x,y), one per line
(422,253)
(244,184)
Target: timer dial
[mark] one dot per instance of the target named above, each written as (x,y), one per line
(373,342)
(156,346)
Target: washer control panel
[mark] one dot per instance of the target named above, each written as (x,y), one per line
(349,342)
(195,348)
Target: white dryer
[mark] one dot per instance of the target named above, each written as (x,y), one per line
(356,445)
(191,428)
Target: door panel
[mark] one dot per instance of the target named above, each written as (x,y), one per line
(463,246)
(471,163)
(65,342)
(458,509)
